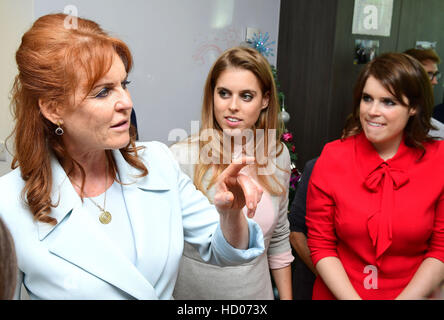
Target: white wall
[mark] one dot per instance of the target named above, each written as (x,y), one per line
(174,43)
(16,16)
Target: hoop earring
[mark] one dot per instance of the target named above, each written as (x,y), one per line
(59,131)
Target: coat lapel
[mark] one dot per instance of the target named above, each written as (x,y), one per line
(78,240)
(150,214)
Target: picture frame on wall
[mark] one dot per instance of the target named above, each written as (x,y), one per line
(372,17)
(425,45)
(365,50)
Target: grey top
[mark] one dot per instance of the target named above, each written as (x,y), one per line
(199,280)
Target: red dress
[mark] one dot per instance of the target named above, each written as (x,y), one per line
(381,219)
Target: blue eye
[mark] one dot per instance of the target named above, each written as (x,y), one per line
(388,102)
(103,93)
(366,98)
(125,84)
(223,93)
(107,90)
(247,97)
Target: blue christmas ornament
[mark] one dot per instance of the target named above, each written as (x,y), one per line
(262,44)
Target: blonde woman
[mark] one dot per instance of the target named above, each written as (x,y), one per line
(240,117)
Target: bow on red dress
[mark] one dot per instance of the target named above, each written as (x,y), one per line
(379,223)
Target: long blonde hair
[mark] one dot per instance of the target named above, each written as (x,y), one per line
(252,60)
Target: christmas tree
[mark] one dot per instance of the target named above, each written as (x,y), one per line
(262,44)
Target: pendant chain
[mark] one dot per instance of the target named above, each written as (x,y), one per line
(105,216)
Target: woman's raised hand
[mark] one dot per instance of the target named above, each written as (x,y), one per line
(234,190)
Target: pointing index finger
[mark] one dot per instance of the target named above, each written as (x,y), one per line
(233,169)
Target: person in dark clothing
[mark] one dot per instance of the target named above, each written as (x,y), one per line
(303,270)
(438,112)
(134,122)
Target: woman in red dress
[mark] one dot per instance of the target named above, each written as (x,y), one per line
(375,203)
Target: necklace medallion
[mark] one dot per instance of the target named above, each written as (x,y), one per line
(105,217)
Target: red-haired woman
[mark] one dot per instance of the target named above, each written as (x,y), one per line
(375,205)
(93,214)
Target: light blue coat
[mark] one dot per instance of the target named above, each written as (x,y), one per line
(76,260)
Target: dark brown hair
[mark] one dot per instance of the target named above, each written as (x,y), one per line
(49,59)
(423,55)
(403,76)
(8,263)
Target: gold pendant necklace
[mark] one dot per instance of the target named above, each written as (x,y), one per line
(105,216)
